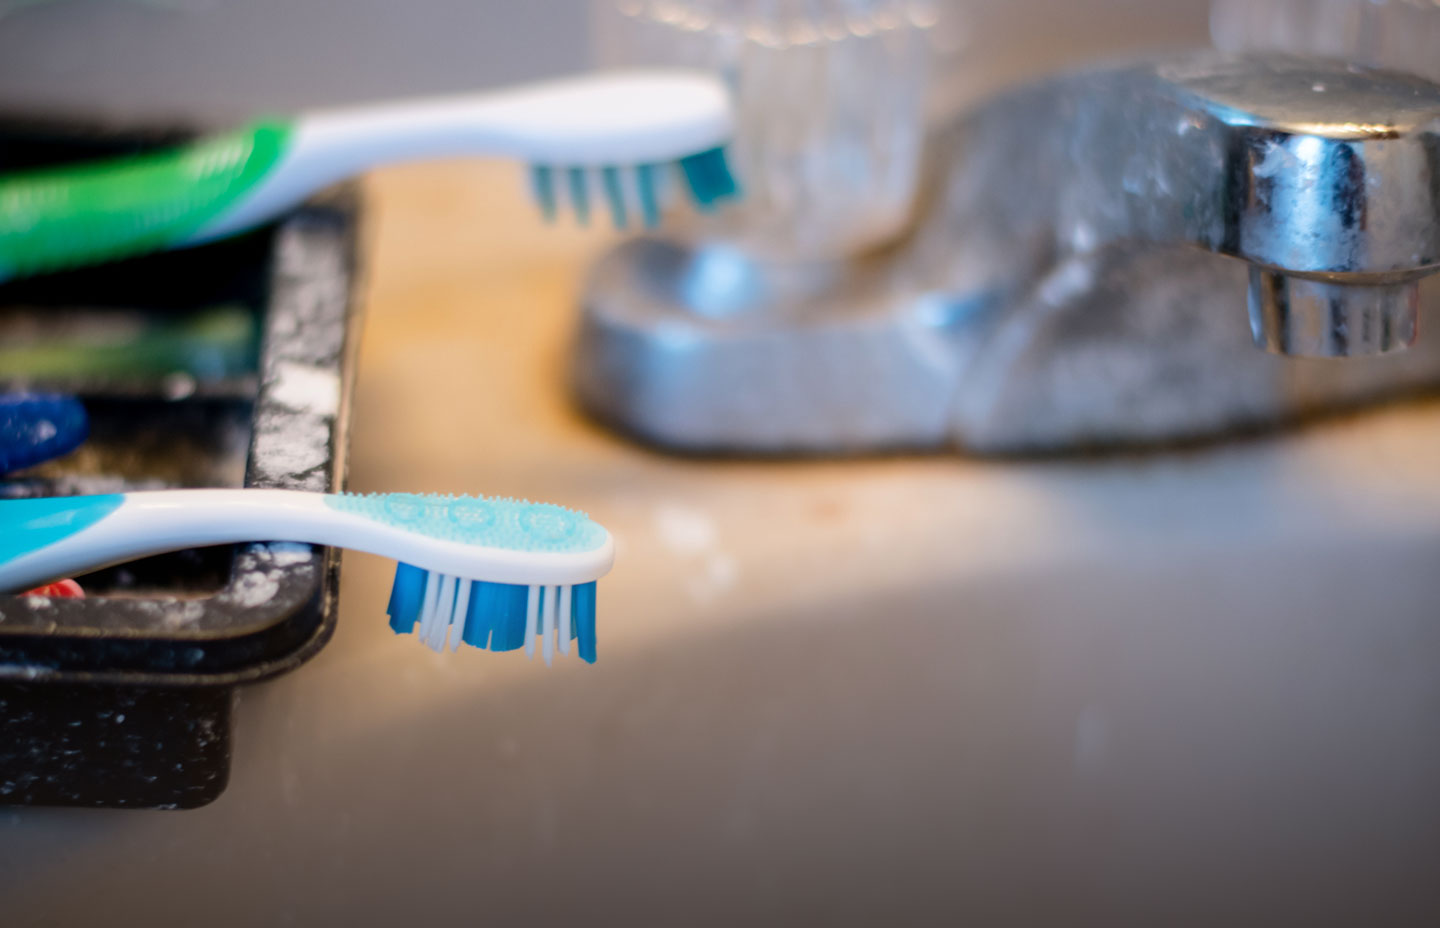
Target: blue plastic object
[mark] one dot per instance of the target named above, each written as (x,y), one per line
(37,427)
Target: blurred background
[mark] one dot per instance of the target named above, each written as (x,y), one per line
(1071,609)
(211,58)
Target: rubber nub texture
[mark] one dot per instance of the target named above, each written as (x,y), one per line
(57,218)
(511,524)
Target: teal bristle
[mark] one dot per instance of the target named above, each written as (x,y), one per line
(709,178)
(645,176)
(615,195)
(580,195)
(542,183)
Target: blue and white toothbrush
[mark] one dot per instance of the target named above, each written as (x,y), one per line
(494,573)
(611,137)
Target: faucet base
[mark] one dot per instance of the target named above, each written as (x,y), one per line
(747,360)
(1121,349)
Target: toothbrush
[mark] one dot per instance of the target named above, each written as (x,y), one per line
(494,573)
(36,427)
(607,135)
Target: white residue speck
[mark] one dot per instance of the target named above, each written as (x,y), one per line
(684,530)
(304,388)
(253,588)
(289,553)
(293,443)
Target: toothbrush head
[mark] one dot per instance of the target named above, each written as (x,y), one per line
(465,603)
(626,140)
(634,193)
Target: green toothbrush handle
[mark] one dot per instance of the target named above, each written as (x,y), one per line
(58,218)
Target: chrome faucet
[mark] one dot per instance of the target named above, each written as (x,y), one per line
(1071,277)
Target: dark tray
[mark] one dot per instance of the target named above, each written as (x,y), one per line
(206,367)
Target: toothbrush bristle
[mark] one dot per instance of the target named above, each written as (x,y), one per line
(542,187)
(709,178)
(580,195)
(443,611)
(646,182)
(633,191)
(615,194)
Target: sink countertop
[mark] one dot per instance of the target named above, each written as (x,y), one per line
(828,691)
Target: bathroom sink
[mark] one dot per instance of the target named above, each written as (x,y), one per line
(1192,687)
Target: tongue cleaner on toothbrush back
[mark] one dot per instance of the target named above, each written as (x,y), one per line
(608,137)
(494,573)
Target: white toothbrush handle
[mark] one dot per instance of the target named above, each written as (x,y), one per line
(150,523)
(329,147)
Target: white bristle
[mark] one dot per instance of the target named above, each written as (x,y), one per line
(547,625)
(444,612)
(630,191)
(447,612)
(532,614)
(462,606)
(565,619)
(669,181)
(600,214)
(560,182)
(427,613)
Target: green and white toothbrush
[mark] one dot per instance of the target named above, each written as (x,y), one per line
(609,137)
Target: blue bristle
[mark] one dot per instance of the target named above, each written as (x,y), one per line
(495,616)
(615,195)
(580,195)
(582,611)
(542,182)
(645,176)
(490,620)
(38,427)
(709,178)
(479,615)
(507,617)
(406,598)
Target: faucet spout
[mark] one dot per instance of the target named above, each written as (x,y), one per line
(1320,319)
(1324,177)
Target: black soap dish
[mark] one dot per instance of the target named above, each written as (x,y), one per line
(219,366)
